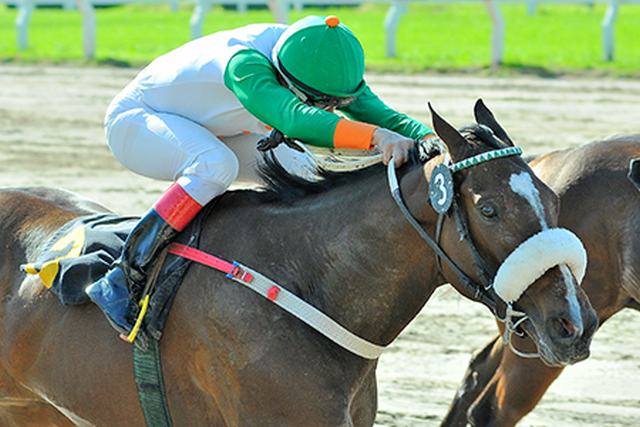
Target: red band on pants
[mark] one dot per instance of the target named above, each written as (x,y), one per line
(177,207)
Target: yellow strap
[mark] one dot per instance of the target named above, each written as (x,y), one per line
(144,304)
(73,242)
(29,268)
(48,272)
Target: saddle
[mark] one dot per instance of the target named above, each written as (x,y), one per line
(83,250)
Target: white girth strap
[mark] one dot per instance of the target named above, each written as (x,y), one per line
(284,299)
(533,257)
(309,314)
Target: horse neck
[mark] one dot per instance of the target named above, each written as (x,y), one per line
(368,269)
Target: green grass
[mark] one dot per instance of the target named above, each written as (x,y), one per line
(559,38)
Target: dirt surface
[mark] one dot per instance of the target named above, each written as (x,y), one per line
(51,134)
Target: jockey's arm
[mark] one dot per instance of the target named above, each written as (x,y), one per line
(370,109)
(252,78)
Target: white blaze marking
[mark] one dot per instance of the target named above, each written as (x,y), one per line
(522,184)
(572,299)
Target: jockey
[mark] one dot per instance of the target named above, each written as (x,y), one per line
(170,122)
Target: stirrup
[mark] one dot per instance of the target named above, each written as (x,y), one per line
(131,336)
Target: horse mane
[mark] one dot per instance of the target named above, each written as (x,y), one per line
(283,186)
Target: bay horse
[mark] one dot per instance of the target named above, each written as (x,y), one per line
(233,359)
(600,204)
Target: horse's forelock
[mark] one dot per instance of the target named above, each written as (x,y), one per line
(481,138)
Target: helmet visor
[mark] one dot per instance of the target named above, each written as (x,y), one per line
(313,97)
(331,102)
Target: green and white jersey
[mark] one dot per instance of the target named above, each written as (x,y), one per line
(227,83)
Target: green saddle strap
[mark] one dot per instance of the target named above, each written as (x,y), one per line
(148,375)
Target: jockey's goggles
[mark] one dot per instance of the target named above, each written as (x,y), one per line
(311,96)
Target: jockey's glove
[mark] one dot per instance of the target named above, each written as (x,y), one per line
(274,139)
(392,144)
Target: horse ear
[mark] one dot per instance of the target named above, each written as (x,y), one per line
(484,116)
(455,142)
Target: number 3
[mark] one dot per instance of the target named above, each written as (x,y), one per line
(443,190)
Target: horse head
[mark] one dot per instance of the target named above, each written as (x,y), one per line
(501,231)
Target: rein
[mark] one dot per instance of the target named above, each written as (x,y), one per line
(512,319)
(470,285)
(480,292)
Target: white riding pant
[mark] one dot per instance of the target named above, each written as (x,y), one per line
(168,147)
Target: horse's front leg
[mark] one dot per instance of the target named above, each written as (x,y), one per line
(481,368)
(364,405)
(514,390)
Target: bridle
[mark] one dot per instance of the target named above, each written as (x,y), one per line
(511,318)
(481,292)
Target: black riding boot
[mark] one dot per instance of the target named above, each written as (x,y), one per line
(120,289)
(127,278)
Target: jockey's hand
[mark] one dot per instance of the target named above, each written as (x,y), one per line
(274,139)
(392,144)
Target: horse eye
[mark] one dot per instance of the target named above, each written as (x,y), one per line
(488,211)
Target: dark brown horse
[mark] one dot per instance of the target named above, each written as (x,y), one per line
(230,357)
(601,206)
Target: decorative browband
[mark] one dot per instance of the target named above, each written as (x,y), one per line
(480,158)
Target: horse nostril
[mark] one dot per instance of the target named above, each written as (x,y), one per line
(567,329)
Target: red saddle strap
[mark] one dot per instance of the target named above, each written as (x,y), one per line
(231,269)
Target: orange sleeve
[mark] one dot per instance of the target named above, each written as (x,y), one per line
(352,134)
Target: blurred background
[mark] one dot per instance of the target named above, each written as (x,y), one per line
(556,75)
(528,36)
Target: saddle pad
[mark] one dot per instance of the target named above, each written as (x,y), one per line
(79,253)
(84,249)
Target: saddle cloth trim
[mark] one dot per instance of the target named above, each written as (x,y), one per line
(284,299)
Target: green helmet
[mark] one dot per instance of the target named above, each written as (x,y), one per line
(321,56)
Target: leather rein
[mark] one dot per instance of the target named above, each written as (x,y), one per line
(480,292)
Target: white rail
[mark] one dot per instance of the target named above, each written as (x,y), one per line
(86,9)
(280,9)
(608,24)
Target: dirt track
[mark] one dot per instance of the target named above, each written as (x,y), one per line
(51,134)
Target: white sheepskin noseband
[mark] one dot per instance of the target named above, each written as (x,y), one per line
(539,253)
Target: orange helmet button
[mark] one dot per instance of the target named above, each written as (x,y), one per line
(332,21)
